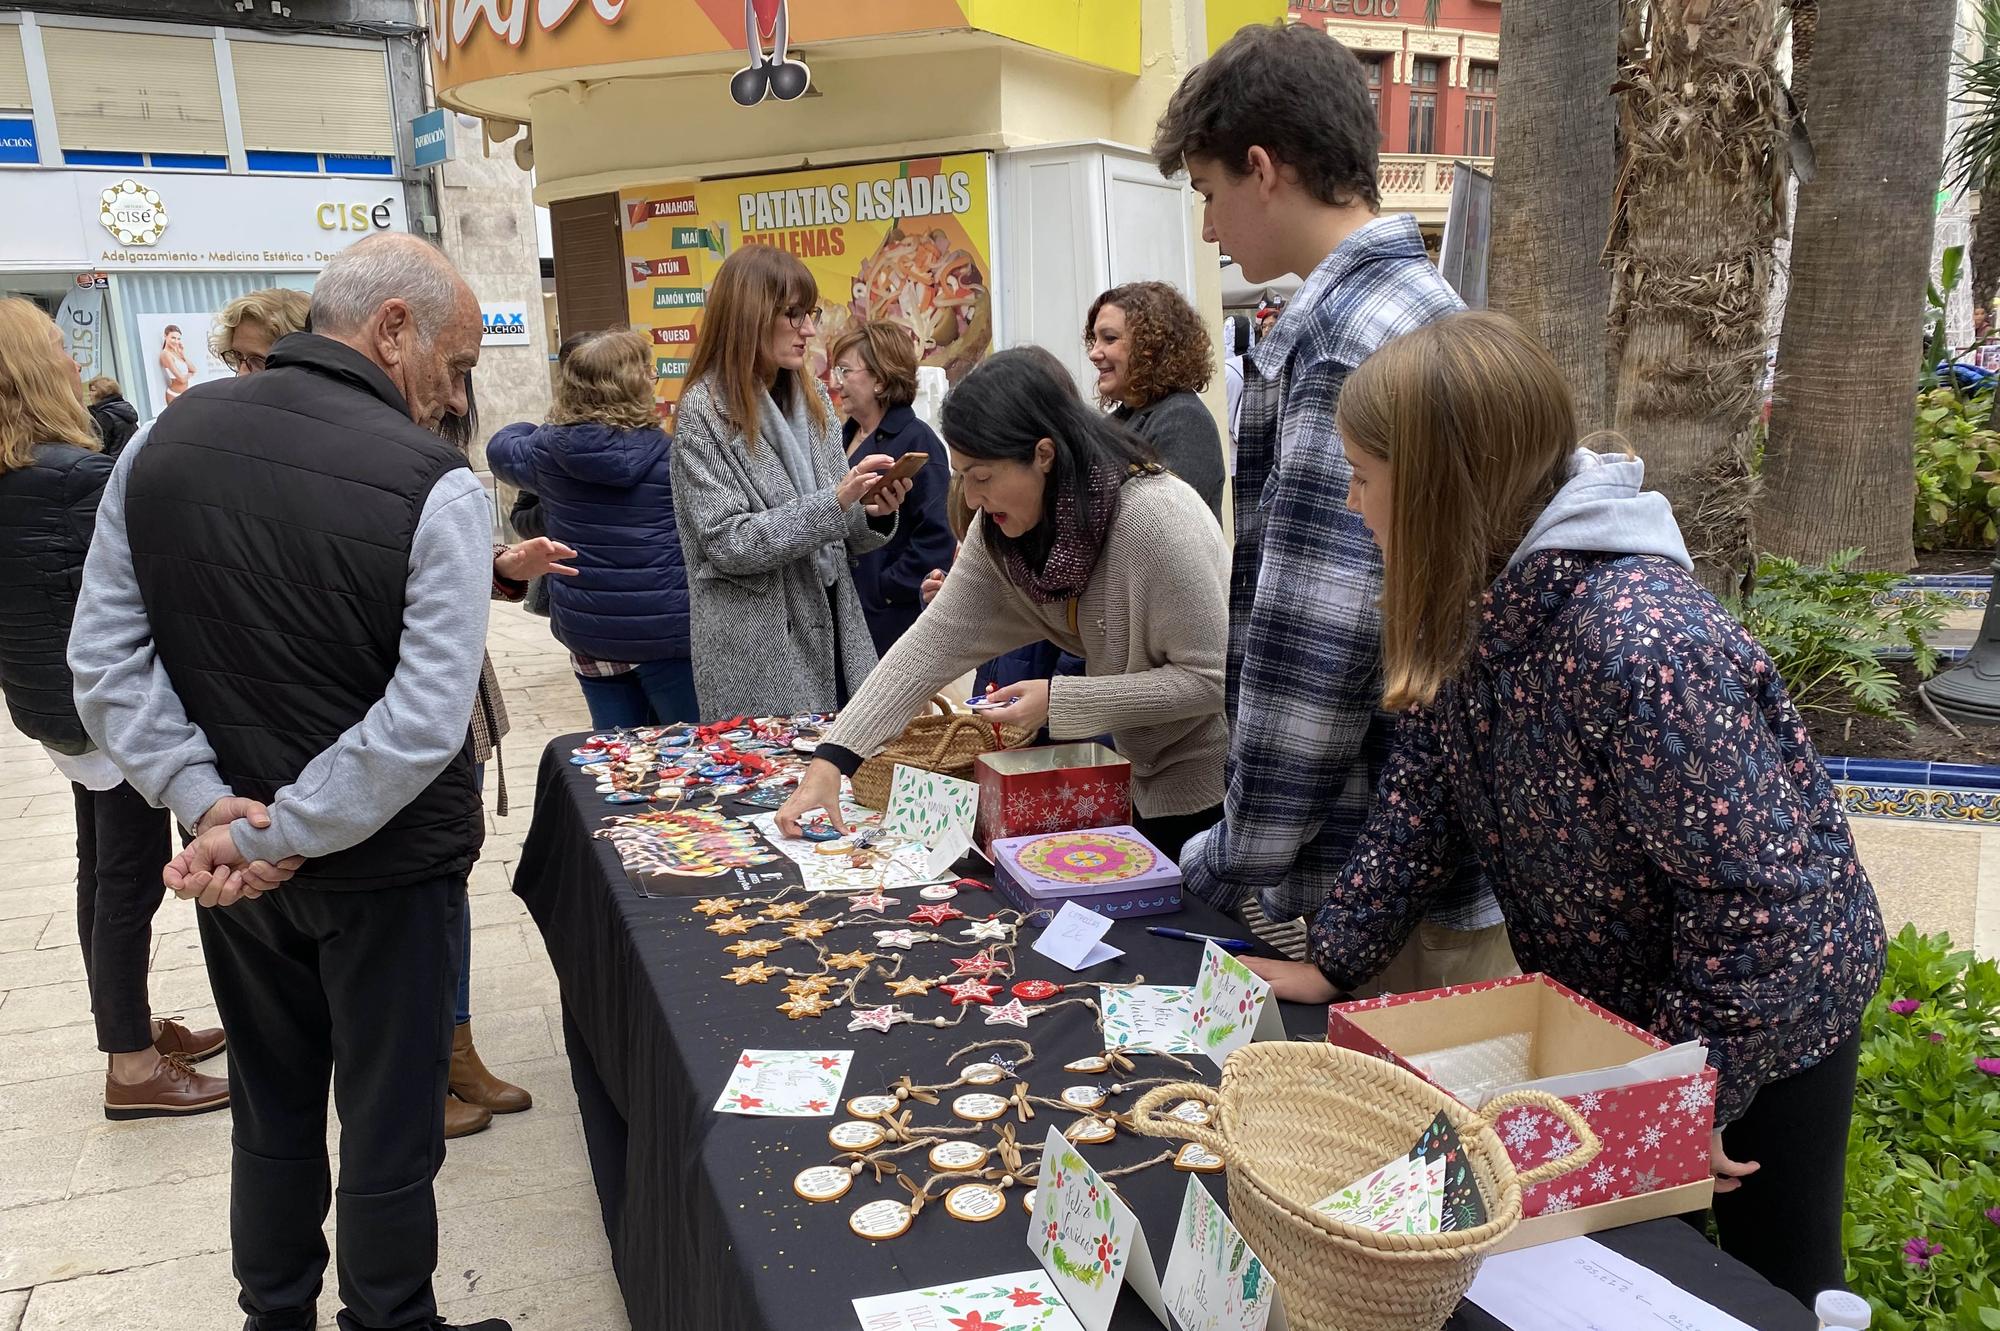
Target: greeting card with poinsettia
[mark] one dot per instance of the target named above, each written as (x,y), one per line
(1088,1240)
(1021,1301)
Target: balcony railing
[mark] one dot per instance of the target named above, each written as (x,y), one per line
(1420,183)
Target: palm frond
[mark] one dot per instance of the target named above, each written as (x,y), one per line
(1975,153)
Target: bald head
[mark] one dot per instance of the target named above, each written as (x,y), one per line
(398,301)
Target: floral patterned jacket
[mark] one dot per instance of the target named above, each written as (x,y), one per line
(1623,760)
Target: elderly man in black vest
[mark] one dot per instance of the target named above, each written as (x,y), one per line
(279,637)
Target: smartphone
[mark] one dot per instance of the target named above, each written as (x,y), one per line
(906,467)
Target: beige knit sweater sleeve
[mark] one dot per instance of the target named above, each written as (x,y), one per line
(1165,578)
(977,615)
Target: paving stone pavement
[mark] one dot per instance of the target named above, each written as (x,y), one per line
(125,1225)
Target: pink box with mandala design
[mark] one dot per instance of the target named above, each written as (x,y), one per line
(1054,788)
(1111,870)
(1651,1104)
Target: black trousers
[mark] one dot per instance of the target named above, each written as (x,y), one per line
(1784,1222)
(357,987)
(122,844)
(1171,833)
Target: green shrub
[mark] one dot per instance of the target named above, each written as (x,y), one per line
(1958,471)
(1826,628)
(1922,1223)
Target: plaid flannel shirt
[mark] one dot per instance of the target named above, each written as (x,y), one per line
(1307,741)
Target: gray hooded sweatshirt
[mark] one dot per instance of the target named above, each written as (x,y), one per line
(1602,508)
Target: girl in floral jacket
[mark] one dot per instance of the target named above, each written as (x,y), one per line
(1618,755)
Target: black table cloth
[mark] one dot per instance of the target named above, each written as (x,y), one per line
(705,1229)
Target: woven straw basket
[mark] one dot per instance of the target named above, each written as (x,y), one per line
(948,743)
(1295,1122)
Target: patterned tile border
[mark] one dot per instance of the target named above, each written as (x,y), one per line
(1928,792)
(1965,591)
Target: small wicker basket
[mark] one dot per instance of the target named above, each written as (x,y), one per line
(948,743)
(1295,1122)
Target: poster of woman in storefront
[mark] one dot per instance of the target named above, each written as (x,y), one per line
(175,367)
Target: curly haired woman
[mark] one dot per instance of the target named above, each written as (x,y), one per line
(1153,358)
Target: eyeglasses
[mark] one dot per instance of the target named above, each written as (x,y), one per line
(840,372)
(238,362)
(799,318)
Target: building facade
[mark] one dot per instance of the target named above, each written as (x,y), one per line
(159,159)
(1435,89)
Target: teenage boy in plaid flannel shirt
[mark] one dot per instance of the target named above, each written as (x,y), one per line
(1278,137)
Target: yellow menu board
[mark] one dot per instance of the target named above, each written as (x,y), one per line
(907,241)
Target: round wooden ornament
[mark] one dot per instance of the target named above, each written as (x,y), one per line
(872,1106)
(880,1220)
(1089,1130)
(822,1183)
(974,1201)
(958,1155)
(978,1107)
(980,1074)
(1083,1097)
(856,1135)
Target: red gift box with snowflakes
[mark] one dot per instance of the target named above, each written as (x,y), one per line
(1054,788)
(1655,1131)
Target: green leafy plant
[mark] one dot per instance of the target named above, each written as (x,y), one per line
(1922,1222)
(1937,296)
(1827,627)
(1958,470)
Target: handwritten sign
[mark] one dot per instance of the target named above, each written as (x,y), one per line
(1073,938)
(1213,1281)
(785,1083)
(1088,1240)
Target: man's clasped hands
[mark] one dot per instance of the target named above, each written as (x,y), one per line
(211,871)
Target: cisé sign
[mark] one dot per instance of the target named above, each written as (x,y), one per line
(508,19)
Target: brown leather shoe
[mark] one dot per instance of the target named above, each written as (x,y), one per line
(194,1046)
(462,1119)
(472,1083)
(176,1090)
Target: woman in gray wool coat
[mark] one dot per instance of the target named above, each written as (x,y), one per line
(769,512)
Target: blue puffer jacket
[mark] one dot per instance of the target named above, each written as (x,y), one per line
(606,493)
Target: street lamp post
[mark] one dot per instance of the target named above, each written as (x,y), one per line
(1970,691)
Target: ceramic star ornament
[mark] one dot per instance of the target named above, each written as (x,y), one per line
(753,974)
(979,965)
(783,910)
(877,1018)
(850,961)
(715,906)
(1009,1013)
(753,947)
(803,1005)
(903,938)
(734,924)
(936,914)
(970,990)
(995,930)
(906,988)
(874,901)
(811,984)
(806,929)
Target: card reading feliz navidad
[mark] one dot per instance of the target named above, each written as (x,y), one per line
(1088,1240)
(785,1083)
(934,809)
(1023,1301)
(1232,1006)
(1213,1281)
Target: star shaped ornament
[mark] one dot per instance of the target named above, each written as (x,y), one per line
(783,910)
(850,961)
(874,901)
(807,929)
(906,988)
(995,930)
(877,1018)
(715,906)
(803,1005)
(903,938)
(753,974)
(1009,1013)
(811,984)
(970,990)
(937,913)
(734,924)
(979,965)
(753,947)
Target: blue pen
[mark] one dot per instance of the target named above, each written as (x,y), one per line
(1231,944)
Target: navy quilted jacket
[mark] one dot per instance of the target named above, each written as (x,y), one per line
(607,494)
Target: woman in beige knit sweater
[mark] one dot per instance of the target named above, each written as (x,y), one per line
(1081,538)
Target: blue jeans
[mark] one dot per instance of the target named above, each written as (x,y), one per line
(657,693)
(465,925)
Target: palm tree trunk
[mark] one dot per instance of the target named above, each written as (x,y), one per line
(1554,159)
(1986,245)
(1700,199)
(1839,470)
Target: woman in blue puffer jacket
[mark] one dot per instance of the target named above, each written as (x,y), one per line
(600,467)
